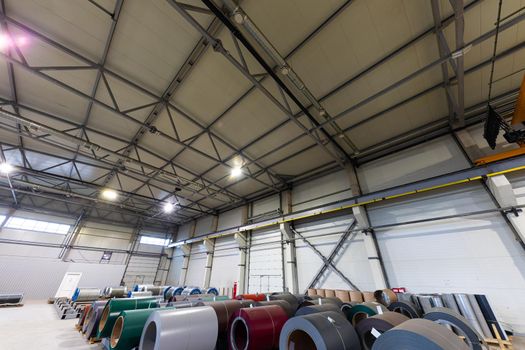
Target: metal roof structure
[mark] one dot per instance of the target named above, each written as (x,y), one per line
(160,99)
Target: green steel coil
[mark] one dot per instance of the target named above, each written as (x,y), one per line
(115,306)
(128,328)
(364,310)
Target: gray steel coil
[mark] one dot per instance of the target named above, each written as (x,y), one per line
(95,314)
(377,323)
(116,292)
(458,323)
(140,294)
(183,329)
(419,334)
(467,311)
(155,290)
(321,331)
(86,294)
(406,308)
(14,299)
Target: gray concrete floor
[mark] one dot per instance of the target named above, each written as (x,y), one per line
(36,326)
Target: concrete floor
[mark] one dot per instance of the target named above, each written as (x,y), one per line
(36,326)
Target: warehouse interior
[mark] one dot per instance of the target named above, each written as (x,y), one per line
(351,172)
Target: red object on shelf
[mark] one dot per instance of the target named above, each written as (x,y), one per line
(234,293)
(254,297)
(256,328)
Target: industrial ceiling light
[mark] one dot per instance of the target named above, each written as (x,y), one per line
(236,171)
(109,194)
(169,207)
(6,168)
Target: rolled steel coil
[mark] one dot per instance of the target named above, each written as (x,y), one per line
(321,331)
(83,315)
(185,304)
(406,308)
(489,315)
(418,334)
(320,292)
(256,328)
(116,292)
(289,309)
(343,295)
(331,300)
(184,329)
(115,306)
(307,310)
(385,296)
(191,291)
(368,296)
(224,310)
(301,298)
(361,311)
(139,294)
(377,324)
(329,293)
(467,311)
(289,298)
(14,298)
(345,309)
(311,292)
(86,294)
(211,290)
(459,324)
(155,290)
(479,316)
(254,297)
(128,328)
(92,320)
(356,296)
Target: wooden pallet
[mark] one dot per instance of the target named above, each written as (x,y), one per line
(503,344)
(94,340)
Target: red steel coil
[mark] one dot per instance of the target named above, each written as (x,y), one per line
(256,328)
(254,297)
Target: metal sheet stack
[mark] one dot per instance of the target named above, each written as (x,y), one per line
(14,299)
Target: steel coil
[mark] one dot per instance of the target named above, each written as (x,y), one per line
(254,297)
(86,294)
(93,318)
(155,290)
(128,328)
(256,328)
(450,302)
(11,299)
(185,303)
(361,311)
(385,296)
(289,298)
(224,310)
(321,331)
(308,310)
(406,308)
(184,329)
(115,306)
(377,324)
(211,290)
(139,294)
(458,323)
(418,334)
(116,292)
(288,309)
(345,309)
(331,300)
(191,291)
(83,315)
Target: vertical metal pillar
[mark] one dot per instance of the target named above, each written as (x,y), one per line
(186,250)
(372,248)
(291,279)
(209,246)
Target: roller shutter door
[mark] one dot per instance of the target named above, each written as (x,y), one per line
(266,262)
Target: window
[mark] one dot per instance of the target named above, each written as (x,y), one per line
(154,241)
(37,225)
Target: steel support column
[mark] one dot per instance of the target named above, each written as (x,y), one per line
(209,246)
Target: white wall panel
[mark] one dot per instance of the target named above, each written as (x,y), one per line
(230,218)
(266,262)
(266,205)
(39,278)
(195,274)
(433,158)
(225,269)
(204,225)
(184,231)
(351,260)
(475,254)
(326,189)
(141,270)
(175,268)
